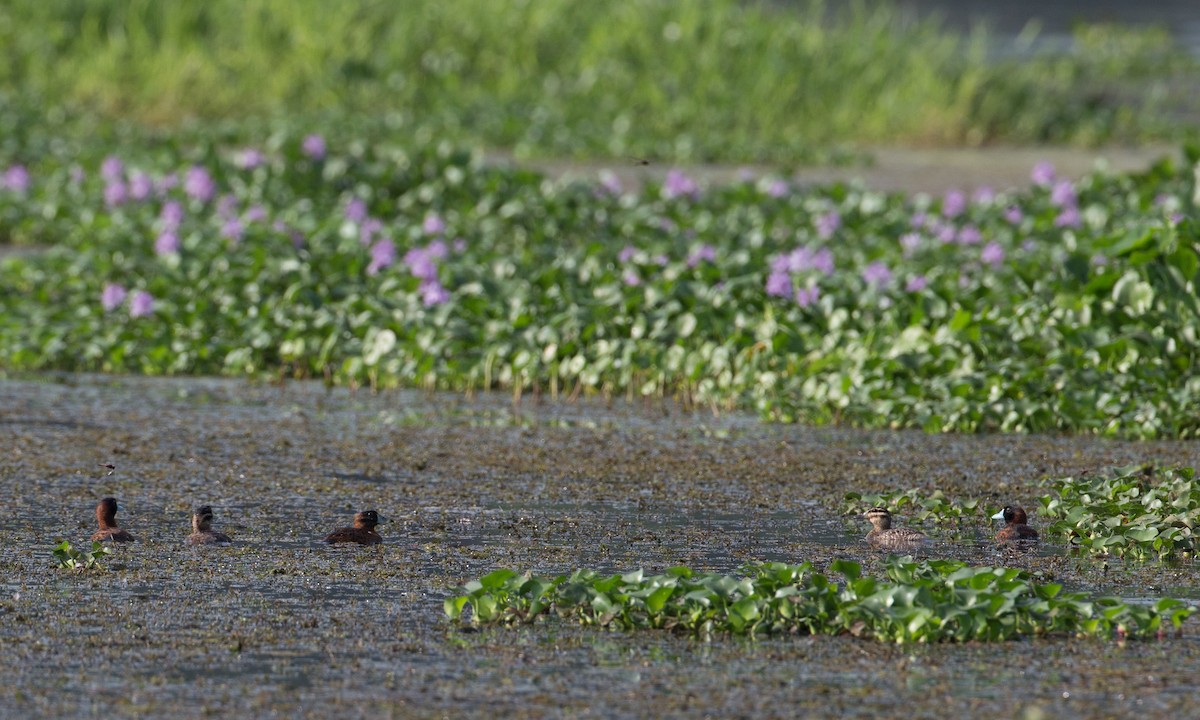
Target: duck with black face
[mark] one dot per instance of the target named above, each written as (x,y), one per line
(1015,525)
(106,518)
(202,532)
(362,533)
(886,537)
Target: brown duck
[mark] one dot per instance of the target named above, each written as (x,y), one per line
(1015,525)
(106,517)
(886,537)
(202,532)
(362,533)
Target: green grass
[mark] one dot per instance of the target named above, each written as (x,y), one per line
(684,80)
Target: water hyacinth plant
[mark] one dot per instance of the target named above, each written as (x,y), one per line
(930,601)
(934,507)
(69,558)
(1139,512)
(370,264)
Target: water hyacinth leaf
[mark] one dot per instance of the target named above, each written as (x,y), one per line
(377,344)
(496,579)
(746,608)
(453,606)
(657,599)
(850,569)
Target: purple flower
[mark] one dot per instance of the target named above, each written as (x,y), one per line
(678,184)
(141,304)
(1042,174)
(660,260)
(356,210)
(807,296)
(369,228)
(256,213)
(910,242)
(233,229)
(984,195)
(992,254)
(778,188)
(828,224)
(198,184)
(313,146)
(432,293)
(166,183)
(822,260)
(1028,245)
(969,235)
(437,249)
(611,183)
(802,259)
(877,274)
(250,158)
(140,186)
(1013,214)
(779,284)
(460,245)
(1069,217)
(16,178)
(631,278)
(112,168)
(704,253)
(947,233)
(664,224)
(916,283)
(918,219)
(112,297)
(627,253)
(167,243)
(383,254)
(227,206)
(171,214)
(421,264)
(953,203)
(115,193)
(1099,260)
(1063,194)
(433,224)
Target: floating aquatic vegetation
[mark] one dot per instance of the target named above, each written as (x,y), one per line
(68,558)
(929,601)
(1139,512)
(935,506)
(367,264)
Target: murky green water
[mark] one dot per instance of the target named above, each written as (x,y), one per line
(279,624)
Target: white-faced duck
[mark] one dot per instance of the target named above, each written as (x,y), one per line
(1015,525)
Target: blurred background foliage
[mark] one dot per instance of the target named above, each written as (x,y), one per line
(681,81)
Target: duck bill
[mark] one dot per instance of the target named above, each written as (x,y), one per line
(998,516)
